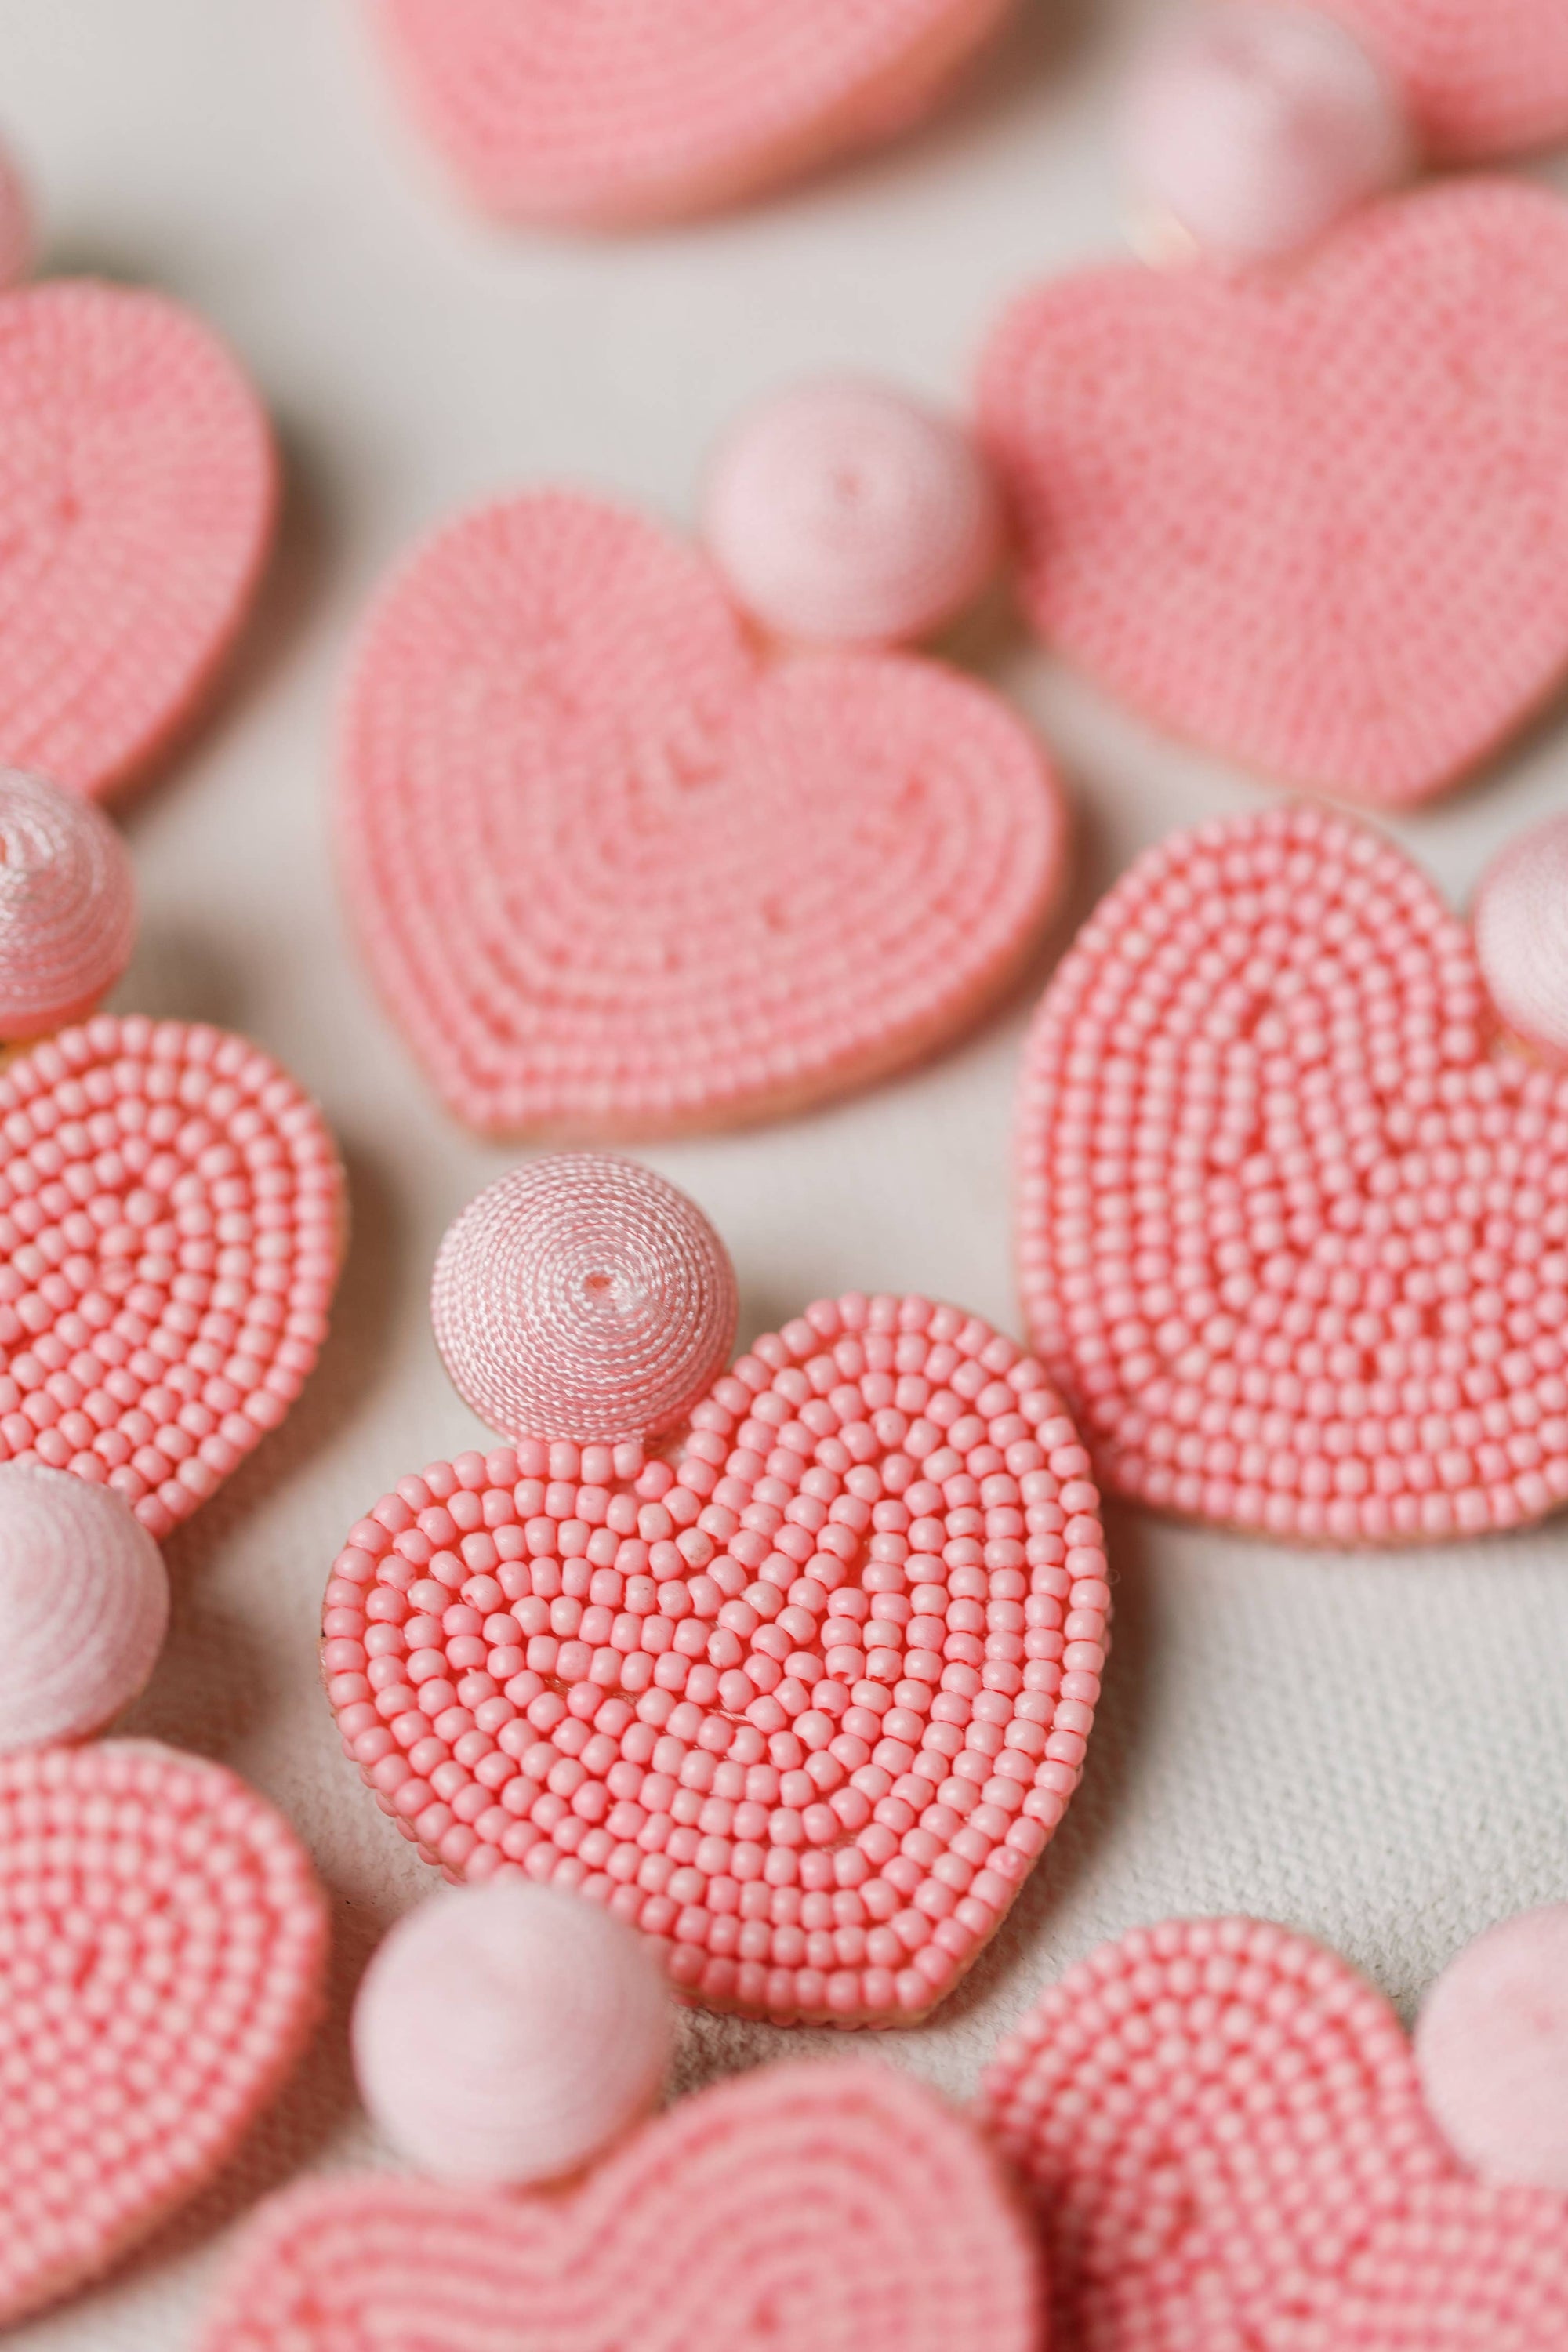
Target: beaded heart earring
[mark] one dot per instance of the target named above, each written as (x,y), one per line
(503,2037)
(791,1666)
(619,866)
(163,1940)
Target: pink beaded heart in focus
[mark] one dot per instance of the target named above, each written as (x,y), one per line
(1289,514)
(171,1207)
(802,1701)
(652,110)
(615,874)
(137,494)
(1293,1221)
(799,2208)
(1478,81)
(161,1948)
(1224,2132)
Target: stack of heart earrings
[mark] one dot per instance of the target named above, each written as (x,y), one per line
(791,1666)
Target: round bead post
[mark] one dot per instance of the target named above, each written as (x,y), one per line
(505,2034)
(67,903)
(84,1606)
(1491,2046)
(583,1298)
(1253,129)
(844,513)
(1520,926)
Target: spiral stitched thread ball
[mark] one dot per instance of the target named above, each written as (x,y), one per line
(67,906)
(505,2034)
(844,513)
(84,1605)
(1254,128)
(583,1298)
(1520,924)
(1491,2046)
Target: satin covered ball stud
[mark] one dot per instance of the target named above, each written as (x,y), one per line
(1520,924)
(68,907)
(84,1605)
(1491,2047)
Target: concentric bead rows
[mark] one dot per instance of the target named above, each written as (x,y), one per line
(803,1704)
(1222,2131)
(170,1215)
(1294,1243)
(162,1945)
(797,2209)
(615,876)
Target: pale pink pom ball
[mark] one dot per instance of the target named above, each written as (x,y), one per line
(67,906)
(584,1298)
(1520,926)
(844,513)
(84,1606)
(504,2034)
(1254,129)
(1491,2047)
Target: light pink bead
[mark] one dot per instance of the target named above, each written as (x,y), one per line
(1520,924)
(67,906)
(84,1603)
(1491,2045)
(1253,128)
(803,2208)
(505,2034)
(845,513)
(583,1298)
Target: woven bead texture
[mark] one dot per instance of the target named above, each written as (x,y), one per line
(67,906)
(84,1605)
(1478,80)
(800,2209)
(137,490)
(803,1706)
(585,1297)
(1294,1226)
(171,1208)
(163,1944)
(1286,514)
(622,110)
(1223,2132)
(615,875)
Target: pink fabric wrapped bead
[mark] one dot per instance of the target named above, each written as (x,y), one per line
(845,513)
(1253,129)
(68,900)
(504,2034)
(1491,2048)
(583,1298)
(1520,926)
(84,1606)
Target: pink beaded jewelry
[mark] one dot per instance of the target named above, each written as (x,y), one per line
(67,906)
(84,1606)
(615,875)
(1293,1231)
(1223,2132)
(1520,924)
(799,2208)
(1491,2048)
(639,112)
(800,1696)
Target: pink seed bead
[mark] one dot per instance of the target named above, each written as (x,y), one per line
(1254,128)
(67,904)
(844,513)
(84,1603)
(504,2034)
(1520,924)
(1491,2045)
(583,1296)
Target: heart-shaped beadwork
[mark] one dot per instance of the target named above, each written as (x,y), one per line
(1478,81)
(1223,2131)
(171,1212)
(163,1944)
(799,2208)
(803,1703)
(1293,1224)
(615,875)
(137,492)
(1288,514)
(647,111)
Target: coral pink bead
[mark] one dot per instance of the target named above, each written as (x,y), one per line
(583,1298)
(845,513)
(1491,2045)
(1253,128)
(505,2034)
(67,906)
(1520,924)
(84,1603)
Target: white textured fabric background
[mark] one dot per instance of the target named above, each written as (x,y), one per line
(1376,1751)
